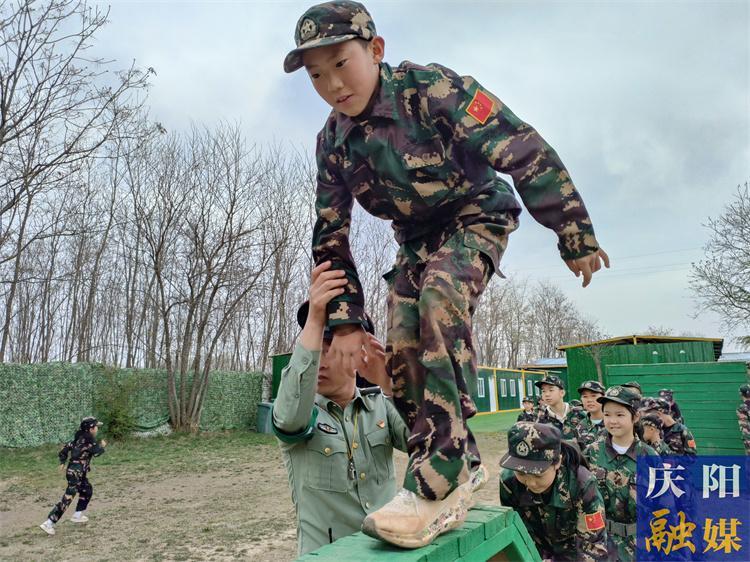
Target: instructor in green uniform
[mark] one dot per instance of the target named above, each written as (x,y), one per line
(337,440)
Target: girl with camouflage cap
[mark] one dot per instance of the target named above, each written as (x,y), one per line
(613,462)
(548,483)
(82,448)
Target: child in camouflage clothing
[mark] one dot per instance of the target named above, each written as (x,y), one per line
(743,416)
(613,461)
(421,146)
(81,449)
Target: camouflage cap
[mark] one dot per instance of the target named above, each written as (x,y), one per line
(550,379)
(633,384)
(666,393)
(593,386)
(90,422)
(648,403)
(662,405)
(653,420)
(576,403)
(302,311)
(745,390)
(622,395)
(527,399)
(327,24)
(532,447)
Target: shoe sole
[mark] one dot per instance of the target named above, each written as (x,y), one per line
(454,521)
(50,532)
(78,521)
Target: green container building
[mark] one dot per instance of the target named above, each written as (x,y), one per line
(501,390)
(707,394)
(634,350)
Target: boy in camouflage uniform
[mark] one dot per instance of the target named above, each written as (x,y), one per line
(613,462)
(420,146)
(528,413)
(548,484)
(591,425)
(82,448)
(652,434)
(676,435)
(554,410)
(743,416)
(668,395)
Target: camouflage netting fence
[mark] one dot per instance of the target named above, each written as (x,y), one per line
(44,403)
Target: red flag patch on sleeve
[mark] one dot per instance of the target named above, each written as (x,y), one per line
(594,521)
(691,443)
(481,107)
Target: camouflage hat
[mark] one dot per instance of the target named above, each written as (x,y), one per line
(532,447)
(666,393)
(648,403)
(593,386)
(576,403)
(662,405)
(89,422)
(622,395)
(327,24)
(527,399)
(653,420)
(304,308)
(745,390)
(634,384)
(550,379)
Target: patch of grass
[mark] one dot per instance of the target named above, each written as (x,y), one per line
(179,452)
(493,423)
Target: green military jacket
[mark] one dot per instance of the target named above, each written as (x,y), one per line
(567,424)
(586,431)
(424,155)
(616,476)
(568,522)
(316,437)
(679,439)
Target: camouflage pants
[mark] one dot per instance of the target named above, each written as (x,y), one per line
(77,484)
(433,291)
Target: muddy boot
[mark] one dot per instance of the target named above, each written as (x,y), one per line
(410,521)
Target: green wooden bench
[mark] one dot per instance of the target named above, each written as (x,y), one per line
(490,533)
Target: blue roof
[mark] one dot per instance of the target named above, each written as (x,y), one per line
(547,363)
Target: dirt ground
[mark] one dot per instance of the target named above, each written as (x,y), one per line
(219,507)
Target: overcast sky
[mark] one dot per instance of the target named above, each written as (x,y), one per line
(646,103)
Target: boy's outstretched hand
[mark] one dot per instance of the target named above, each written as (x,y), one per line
(588,265)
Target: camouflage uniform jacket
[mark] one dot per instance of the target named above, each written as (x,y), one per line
(81,451)
(743,417)
(586,431)
(567,424)
(560,520)
(679,438)
(528,416)
(424,154)
(616,475)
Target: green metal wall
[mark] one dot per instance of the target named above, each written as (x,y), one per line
(707,394)
(581,365)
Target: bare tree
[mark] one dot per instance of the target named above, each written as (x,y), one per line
(721,281)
